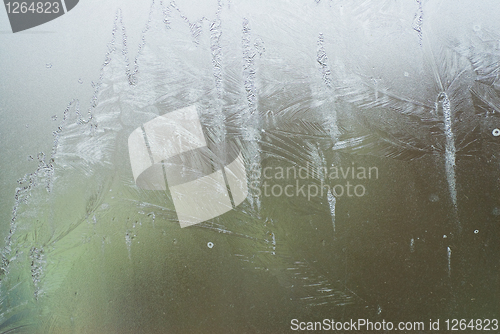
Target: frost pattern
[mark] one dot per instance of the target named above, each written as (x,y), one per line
(292,93)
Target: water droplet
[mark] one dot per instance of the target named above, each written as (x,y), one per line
(476,27)
(433,198)
(496,211)
(406,74)
(445,236)
(476,231)
(210,244)
(48,65)
(495,132)
(80,81)
(54,118)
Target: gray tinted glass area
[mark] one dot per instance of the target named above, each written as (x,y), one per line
(264,167)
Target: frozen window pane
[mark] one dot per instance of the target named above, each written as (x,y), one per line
(249,166)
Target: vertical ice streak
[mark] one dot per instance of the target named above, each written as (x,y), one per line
(216,117)
(412,245)
(449,261)
(327,108)
(418,20)
(322,60)
(332,201)
(130,75)
(37,271)
(249,72)
(324,94)
(251,121)
(128,242)
(450,151)
(273,243)
(215,48)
